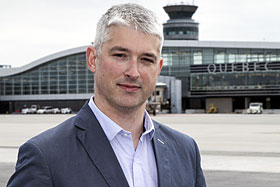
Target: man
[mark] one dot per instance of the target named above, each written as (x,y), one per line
(112,141)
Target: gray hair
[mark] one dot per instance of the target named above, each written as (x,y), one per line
(128,15)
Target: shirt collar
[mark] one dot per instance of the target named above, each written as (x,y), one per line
(111,129)
(149,126)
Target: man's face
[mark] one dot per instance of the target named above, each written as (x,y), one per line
(127,68)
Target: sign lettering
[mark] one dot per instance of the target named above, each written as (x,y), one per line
(238,67)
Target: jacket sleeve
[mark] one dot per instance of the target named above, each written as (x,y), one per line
(200,180)
(31,168)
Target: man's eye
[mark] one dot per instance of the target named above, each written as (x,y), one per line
(148,60)
(119,55)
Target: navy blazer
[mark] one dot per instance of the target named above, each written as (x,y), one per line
(77,153)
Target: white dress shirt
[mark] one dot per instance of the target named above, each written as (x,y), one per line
(139,166)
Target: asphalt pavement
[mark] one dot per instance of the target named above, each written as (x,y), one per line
(237,150)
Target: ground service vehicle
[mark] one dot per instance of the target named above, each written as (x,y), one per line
(255,108)
(56,111)
(212,109)
(31,110)
(158,100)
(45,110)
(66,111)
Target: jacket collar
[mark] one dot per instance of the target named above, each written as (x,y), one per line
(162,156)
(98,147)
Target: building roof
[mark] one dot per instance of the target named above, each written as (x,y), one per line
(12,71)
(221,44)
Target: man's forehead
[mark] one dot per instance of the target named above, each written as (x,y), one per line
(117,29)
(120,36)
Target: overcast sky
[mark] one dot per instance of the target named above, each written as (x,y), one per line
(31,29)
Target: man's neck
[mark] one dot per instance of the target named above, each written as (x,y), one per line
(131,120)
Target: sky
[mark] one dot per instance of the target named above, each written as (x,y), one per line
(32,29)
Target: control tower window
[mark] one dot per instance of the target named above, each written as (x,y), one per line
(181,31)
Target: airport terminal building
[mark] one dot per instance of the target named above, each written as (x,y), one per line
(228,75)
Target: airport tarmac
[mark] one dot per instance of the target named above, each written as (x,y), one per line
(236,149)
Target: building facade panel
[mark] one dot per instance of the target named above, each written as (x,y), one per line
(206,70)
(66,75)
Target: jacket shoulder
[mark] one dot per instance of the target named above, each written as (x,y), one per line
(185,156)
(55,134)
(172,134)
(177,141)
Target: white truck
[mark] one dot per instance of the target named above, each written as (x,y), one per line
(255,108)
(66,110)
(45,110)
(32,110)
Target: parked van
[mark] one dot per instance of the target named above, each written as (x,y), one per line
(255,108)
(32,110)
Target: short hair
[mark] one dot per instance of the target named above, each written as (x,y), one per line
(128,15)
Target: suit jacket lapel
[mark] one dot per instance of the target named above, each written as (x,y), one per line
(99,148)
(162,155)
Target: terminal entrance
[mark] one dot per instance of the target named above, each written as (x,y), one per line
(4,109)
(238,104)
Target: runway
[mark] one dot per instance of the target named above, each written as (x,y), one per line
(236,149)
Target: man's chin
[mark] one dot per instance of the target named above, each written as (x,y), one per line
(131,105)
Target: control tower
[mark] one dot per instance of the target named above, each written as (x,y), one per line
(180,26)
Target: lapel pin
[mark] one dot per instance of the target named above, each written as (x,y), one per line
(160,141)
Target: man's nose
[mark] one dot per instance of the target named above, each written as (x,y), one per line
(132,70)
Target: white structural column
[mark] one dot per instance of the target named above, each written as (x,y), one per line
(176,96)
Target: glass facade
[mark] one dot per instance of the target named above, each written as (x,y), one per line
(194,55)
(236,81)
(66,75)
(70,75)
(178,56)
(176,62)
(237,69)
(204,71)
(234,68)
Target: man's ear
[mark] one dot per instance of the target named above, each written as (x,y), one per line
(91,58)
(160,66)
